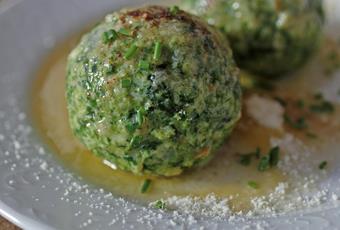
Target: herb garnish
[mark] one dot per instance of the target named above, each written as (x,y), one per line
(135,141)
(143,65)
(140,117)
(322,106)
(274,156)
(300,123)
(264,163)
(131,51)
(109,36)
(124,31)
(253,184)
(125,83)
(245,159)
(145,186)
(157,51)
(323,165)
(174,10)
(270,160)
(300,103)
(160,204)
(131,126)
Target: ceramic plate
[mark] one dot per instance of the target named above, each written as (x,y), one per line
(33,183)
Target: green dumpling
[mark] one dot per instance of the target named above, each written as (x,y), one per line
(153,90)
(268,37)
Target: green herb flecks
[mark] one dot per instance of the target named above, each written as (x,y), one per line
(124,31)
(274,156)
(270,160)
(109,36)
(245,159)
(160,204)
(264,163)
(300,123)
(140,117)
(145,186)
(323,107)
(135,141)
(174,10)
(143,65)
(131,126)
(157,51)
(323,165)
(131,51)
(300,104)
(253,184)
(126,83)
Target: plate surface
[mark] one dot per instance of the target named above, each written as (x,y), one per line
(35,191)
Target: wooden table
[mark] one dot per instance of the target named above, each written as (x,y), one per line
(5,225)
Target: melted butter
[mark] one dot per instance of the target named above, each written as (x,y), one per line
(224,176)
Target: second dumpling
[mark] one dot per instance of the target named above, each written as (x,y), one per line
(268,37)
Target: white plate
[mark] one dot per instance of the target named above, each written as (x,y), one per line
(31,187)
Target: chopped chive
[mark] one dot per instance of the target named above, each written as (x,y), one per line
(136,140)
(124,31)
(323,107)
(323,165)
(125,83)
(300,123)
(274,156)
(109,36)
(264,163)
(157,51)
(145,186)
(245,159)
(253,184)
(160,204)
(131,51)
(140,118)
(131,127)
(174,10)
(143,65)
